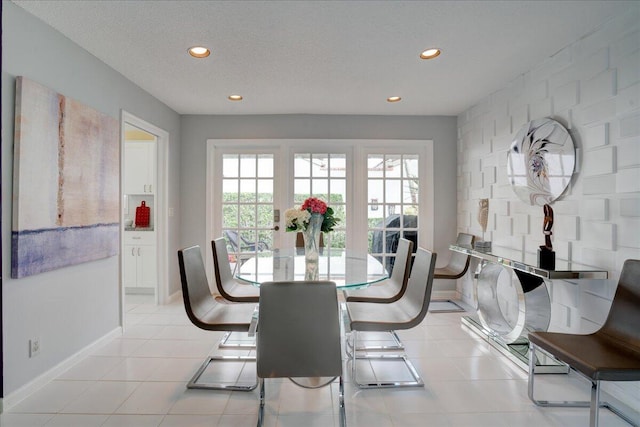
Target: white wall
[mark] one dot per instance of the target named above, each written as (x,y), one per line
(197,129)
(69,308)
(592,87)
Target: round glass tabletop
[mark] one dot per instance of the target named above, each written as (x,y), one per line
(348,268)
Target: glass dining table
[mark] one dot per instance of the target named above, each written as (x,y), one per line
(347,268)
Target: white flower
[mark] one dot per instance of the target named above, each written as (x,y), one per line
(296,218)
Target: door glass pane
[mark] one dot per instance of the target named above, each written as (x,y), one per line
(247,216)
(248,166)
(393,167)
(375,166)
(376,187)
(247,190)
(230,165)
(319,165)
(265,190)
(339,190)
(392,204)
(302,188)
(265,216)
(265,166)
(230,213)
(321,189)
(302,167)
(230,190)
(410,166)
(393,191)
(338,165)
(247,209)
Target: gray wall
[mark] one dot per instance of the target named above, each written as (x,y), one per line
(69,308)
(197,129)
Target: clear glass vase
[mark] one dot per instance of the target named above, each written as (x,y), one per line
(312,245)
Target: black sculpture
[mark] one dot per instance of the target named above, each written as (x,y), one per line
(546,255)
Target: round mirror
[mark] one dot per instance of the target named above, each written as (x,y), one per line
(541,161)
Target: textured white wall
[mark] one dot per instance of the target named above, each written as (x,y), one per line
(592,87)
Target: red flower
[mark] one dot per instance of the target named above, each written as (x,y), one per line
(314,205)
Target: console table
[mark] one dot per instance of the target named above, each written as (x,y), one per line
(515,297)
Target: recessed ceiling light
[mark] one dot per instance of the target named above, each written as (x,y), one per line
(430,53)
(235,97)
(199,52)
(393,99)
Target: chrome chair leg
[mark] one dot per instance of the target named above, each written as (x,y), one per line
(354,357)
(194,384)
(594,408)
(594,404)
(261,409)
(397,346)
(224,342)
(343,415)
(344,319)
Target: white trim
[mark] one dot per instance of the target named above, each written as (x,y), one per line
(162,209)
(40,381)
(209,227)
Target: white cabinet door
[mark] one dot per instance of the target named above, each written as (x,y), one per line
(139,167)
(147,266)
(130,266)
(139,261)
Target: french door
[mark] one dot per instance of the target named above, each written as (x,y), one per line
(380,191)
(246,193)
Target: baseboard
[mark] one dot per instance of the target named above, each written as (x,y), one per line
(174,297)
(36,384)
(139,291)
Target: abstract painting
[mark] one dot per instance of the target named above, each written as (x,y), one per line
(65,182)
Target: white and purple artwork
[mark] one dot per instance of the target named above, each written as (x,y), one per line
(541,161)
(66,182)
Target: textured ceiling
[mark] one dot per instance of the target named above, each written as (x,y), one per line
(323,57)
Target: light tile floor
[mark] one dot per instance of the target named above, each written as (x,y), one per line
(139,380)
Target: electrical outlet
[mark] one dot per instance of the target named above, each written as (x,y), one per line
(34,347)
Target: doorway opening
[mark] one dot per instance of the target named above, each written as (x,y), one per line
(143,257)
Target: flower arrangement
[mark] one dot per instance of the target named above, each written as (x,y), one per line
(297,219)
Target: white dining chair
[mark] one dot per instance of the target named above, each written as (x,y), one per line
(298,335)
(405,313)
(387,291)
(206,313)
